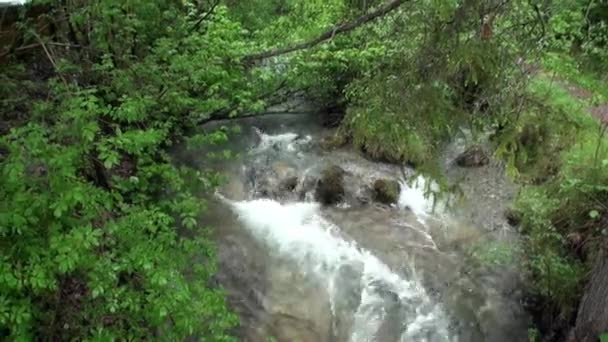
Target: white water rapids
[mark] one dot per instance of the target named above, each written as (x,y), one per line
(357,270)
(298,231)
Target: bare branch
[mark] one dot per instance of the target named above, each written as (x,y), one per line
(35,45)
(329,34)
(50,57)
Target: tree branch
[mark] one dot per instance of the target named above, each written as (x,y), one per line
(50,57)
(253,115)
(204,17)
(224,113)
(329,34)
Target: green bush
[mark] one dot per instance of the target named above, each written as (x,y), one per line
(99,233)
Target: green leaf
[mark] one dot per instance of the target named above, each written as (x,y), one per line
(594,214)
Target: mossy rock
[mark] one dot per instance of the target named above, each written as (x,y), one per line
(386,191)
(330,187)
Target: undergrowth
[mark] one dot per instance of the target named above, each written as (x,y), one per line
(563,204)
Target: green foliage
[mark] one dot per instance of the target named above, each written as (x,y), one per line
(272,22)
(533,335)
(557,278)
(569,67)
(548,123)
(579,27)
(562,213)
(99,234)
(433,75)
(495,253)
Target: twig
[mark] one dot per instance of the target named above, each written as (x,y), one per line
(587,11)
(602,132)
(539,16)
(50,57)
(35,45)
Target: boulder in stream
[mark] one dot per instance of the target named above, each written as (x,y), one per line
(474,156)
(288,184)
(386,191)
(330,187)
(283,170)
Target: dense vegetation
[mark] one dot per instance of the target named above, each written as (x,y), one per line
(99,233)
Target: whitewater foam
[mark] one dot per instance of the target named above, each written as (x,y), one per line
(290,142)
(417,197)
(297,231)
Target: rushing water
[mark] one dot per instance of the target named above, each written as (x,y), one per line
(356,271)
(299,232)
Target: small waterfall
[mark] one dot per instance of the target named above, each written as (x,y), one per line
(358,270)
(389,304)
(285,141)
(413,197)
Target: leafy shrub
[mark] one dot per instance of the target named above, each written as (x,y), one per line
(99,230)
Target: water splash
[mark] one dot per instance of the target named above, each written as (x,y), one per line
(290,142)
(414,197)
(297,231)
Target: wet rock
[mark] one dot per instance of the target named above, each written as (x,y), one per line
(234,189)
(364,194)
(288,328)
(332,116)
(283,170)
(306,187)
(474,156)
(271,180)
(266,188)
(288,184)
(332,142)
(330,187)
(386,191)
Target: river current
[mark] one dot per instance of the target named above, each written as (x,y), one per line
(422,269)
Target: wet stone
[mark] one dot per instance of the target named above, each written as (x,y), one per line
(474,156)
(330,188)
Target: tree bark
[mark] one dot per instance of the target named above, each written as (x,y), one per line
(329,34)
(592,318)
